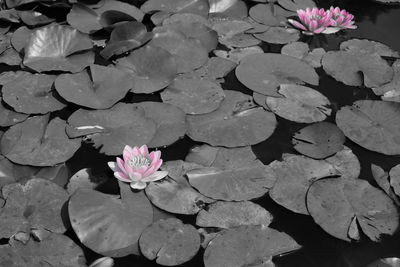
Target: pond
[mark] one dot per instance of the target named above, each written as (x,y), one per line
(77,115)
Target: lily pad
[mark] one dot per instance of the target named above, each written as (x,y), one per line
(99,88)
(237,122)
(234,175)
(384,182)
(215,69)
(391,90)
(63,252)
(319,140)
(278,35)
(228,9)
(34,18)
(229,27)
(334,203)
(369,47)
(170,242)
(232,214)
(269,15)
(38,142)
(174,193)
(294,175)
(247,246)
(56,47)
(239,40)
(294,5)
(394,175)
(194,96)
(346,163)
(32,94)
(9,117)
(237,54)
(35,205)
(302,51)
(199,7)
(86,179)
(170,120)
(151,68)
(108,225)
(264,73)
(373,125)
(300,104)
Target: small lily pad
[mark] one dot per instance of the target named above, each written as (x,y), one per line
(170,242)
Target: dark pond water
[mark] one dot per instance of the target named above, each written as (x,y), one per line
(375,22)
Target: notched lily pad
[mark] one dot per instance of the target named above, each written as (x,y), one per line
(170,242)
(302,51)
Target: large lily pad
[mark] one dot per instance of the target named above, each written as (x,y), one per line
(63,252)
(112,129)
(278,35)
(373,125)
(319,140)
(228,9)
(9,117)
(194,96)
(38,142)
(264,73)
(336,203)
(294,175)
(237,122)
(174,193)
(232,214)
(369,47)
(34,206)
(300,104)
(234,175)
(151,68)
(56,47)
(99,88)
(108,225)
(170,242)
(247,246)
(32,94)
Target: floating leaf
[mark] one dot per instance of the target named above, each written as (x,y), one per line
(99,88)
(113,128)
(333,203)
(278,35)
(38,142)
(215,69)
(264,73)
(56,47)
(32,94)
(232,214)
(170,242)
(63,252)
(108,225)
(35,205)
(83,18)
(394,174)
(194,96)
(346,163)
(86,179)
(391,90)
(373,125)
(264,14)
(235,175)
(231,9)
(237,54)
(247,246)
(199,7)
(302,51)
(382,179)
(237,122)
(174,193)
(239,40)
(300,104)
(34,18)
(294,5)
(294,175)
(368,47)
(319,140)
(151,68)
(20,38)
(9,117)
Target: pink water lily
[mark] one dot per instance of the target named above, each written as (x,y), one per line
(138,167)
(342,19)
(312,21)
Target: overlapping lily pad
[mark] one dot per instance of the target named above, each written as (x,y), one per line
(199,7)
(302,51)
(38,142)
(36,205)
(9,117)
(112,129)
(264,73)
(343,207)
(278,35)
(269,15)
(373,125)
(294,5)
(237,122)
(391,90)
(99,88)
(108,225)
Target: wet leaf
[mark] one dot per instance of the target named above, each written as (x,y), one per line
(194,96)
(391,91)
(237,122)
(35,205)
(85,179)
(264,14)
(34,18)
(300,104)
(38,142)
(170,242)
(278,35)
(232,214)
(215,69)
(237,54)
(294,5)
(319,140)
(239,40)
(333,203)
(372,124)
(346,163)
(234,175)
(264,73)
(9,117)
(247,246)
(231,9)
(302,51)
(99,88)
(112,129)
(199,7)
(108,225)
(369,47)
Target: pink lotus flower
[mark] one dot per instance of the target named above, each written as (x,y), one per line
(341,19)
(313,21)
(138,167)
